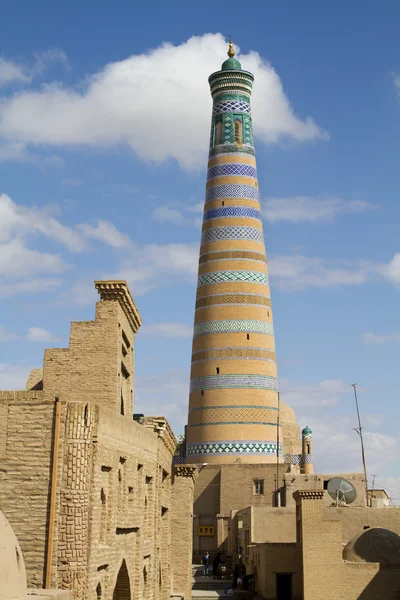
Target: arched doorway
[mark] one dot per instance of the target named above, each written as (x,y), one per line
(122,590)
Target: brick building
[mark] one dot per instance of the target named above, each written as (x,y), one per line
(90,493)
(318,564)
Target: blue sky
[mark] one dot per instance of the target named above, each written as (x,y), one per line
(104,123)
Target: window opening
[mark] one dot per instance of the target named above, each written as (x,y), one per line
(258,487)
(248,336)
(238,132)
(217,370)
(218,133)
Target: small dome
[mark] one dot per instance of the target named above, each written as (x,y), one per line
(374,545)
(306,431)
(231,64)
(12,566)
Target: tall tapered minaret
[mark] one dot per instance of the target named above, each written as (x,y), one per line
(233,408)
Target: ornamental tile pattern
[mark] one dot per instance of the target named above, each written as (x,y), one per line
(232,211)
(262,415)
(233,326)
(232,255)
(232,276)
(238,353)
(232,190)
(234,447)
(217,382)
(232,232)
(227,169)
(231,149)
(231,106)
(237,298)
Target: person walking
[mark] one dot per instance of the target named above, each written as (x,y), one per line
(216,563)
(206,562)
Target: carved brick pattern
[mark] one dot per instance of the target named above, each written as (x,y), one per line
(217,299)
(237,415)
(232,190)
(230,149)
(233,353)
(232,255)
(232,232)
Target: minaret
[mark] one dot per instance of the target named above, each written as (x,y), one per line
(306,464)
(233,407)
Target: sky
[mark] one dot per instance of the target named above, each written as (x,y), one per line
(104,125)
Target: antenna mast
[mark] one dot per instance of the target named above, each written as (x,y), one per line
(359,431)
(278,500)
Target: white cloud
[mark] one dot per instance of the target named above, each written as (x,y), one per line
(153,265)
(165,214)
(37,334)
(5,335)
(31,286)
(305,209)
(299,272)
(373,338)
(105,232)
(165,394)
(336,447)
(391,271)
(187,214)
(156,103)
(11,72)
(322,393)
(24,220)
(13,377)
(168,329)
(18,261)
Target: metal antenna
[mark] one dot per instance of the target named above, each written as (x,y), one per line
(359,431)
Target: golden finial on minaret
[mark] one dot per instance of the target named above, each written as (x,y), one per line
(231,51)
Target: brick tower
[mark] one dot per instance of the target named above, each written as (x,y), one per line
(233,407)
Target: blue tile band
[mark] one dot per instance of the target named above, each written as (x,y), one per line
(233,326)
(232,232)
(232,277)
(232,212)
(234,447)
(216,382)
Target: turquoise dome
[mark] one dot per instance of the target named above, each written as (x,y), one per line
(231,64)
(306,431)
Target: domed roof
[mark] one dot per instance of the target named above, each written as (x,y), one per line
(375,545)
(12,566)
(231,64)
(306,431)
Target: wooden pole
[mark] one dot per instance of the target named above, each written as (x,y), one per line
(53,491)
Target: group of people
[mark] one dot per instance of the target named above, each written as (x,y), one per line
(241,581)
(217,565)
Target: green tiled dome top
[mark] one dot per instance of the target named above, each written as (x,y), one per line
(306,431)
(231,64)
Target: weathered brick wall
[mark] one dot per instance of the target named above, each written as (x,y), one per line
(90,369)
(25,460)
(182,528)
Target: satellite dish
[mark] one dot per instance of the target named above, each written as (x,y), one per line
(341,490)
